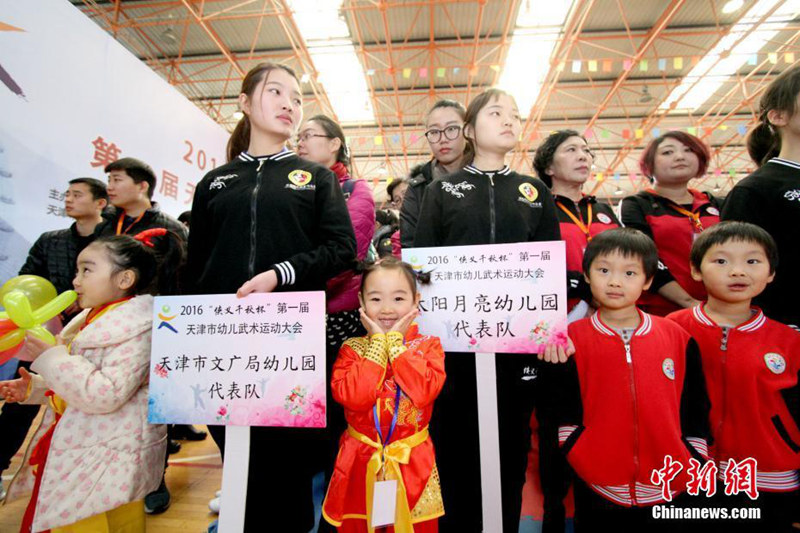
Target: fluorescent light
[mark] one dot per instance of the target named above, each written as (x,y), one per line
(536,32)
(732,6)
(330,45)
(712,72)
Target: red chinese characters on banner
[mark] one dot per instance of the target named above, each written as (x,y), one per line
(665,476)
(104,152)
(189,192)
(169,185)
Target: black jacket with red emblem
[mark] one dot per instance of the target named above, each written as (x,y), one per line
(276,212)
(477,207)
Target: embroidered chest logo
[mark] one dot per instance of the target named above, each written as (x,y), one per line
(668,367)
(529,195)
(529,192)
(605,219)
(775,362)
(220,182)
(456,188)
(792,195)
(300,180)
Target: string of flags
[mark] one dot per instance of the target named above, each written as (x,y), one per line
(598,65)
(590,133)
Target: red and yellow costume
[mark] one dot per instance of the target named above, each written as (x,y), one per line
(365,379)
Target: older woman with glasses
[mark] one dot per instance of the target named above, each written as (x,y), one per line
(443,126)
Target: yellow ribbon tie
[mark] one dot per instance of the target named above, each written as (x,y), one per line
(391,456)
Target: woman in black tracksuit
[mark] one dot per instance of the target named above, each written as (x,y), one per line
(485,203)
(270,221)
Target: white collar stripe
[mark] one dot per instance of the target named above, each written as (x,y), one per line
(645,326)
(701,317)
(244,156)
(472,170)
(785,162)
(599,326)
(755,323)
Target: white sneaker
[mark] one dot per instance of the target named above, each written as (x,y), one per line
(214,505)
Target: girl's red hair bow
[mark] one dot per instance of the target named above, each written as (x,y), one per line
(147,235)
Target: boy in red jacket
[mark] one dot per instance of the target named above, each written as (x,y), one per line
(632,394)
(751,366)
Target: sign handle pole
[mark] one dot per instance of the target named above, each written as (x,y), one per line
(234,479)
(489,435)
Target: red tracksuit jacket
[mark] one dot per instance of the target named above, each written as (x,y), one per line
(624,407)
(751,373)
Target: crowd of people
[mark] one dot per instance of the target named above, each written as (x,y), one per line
(683,340)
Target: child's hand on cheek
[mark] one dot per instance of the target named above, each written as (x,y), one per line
(402,325)
(372,327)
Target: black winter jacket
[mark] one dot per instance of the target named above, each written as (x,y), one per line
(276,212)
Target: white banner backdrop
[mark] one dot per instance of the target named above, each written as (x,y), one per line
(73,99)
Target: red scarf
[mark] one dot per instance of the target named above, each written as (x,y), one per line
(341,171)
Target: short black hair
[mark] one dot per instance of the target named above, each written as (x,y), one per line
(734,231)
(543,157)
(394,184)
(96,187)
(628,242)
(138,171)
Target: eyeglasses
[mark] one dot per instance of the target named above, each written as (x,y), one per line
(450,132)
(304,137)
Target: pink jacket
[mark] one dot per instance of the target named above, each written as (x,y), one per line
(103,454)
(342,291)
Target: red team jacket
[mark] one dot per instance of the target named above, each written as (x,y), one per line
(674,232)
(751,373)
(626,407)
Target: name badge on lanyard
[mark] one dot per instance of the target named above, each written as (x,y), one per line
(384,503)
(384,495)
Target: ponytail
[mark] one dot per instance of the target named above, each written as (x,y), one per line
(763,143)
(240,138)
